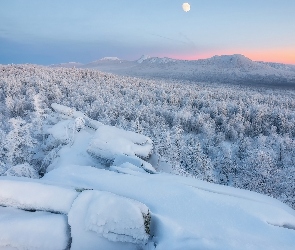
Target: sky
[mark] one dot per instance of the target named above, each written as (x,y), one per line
(55,31)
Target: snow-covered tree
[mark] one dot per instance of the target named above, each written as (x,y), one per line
(19,142)
(22,170)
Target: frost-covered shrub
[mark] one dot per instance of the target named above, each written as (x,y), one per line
(22,170)
(79,123)
(19,142)
(3,168)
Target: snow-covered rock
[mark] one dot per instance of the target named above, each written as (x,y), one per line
(135,161)
(23,230)
(109,142)
(75,142)
(126,168)
(62,131)
(24,194)
(73,113)
(107,221)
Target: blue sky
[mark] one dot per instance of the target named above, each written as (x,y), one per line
(53,31)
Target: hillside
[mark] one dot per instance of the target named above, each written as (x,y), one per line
(226,134)
(96,193)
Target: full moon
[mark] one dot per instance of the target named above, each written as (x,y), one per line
(186,7)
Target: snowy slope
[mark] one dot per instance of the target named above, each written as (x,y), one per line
(226,68)
(128,206)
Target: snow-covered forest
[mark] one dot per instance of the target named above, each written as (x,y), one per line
(227,134)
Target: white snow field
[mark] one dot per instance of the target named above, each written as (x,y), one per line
(126,204)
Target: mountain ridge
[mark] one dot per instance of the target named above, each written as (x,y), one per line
(153,59)
(235,68)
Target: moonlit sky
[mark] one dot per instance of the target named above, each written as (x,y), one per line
(54,31)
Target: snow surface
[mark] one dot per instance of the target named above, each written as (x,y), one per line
(32,231)
(191,214)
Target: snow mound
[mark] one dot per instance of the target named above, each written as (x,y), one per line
(20,193)
(104,219)
(32,231)
(109,142)
(22,170)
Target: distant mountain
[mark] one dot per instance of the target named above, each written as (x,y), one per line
(143,58)
(110,58)
(280,66)
(67,65)
(226,68)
